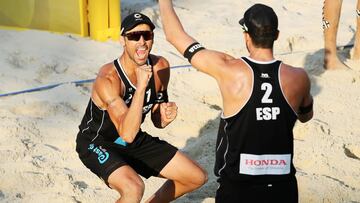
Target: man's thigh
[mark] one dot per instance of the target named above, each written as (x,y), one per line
(182,168)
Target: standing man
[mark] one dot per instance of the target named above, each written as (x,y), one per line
(262,99)
(331,17)
(110,141)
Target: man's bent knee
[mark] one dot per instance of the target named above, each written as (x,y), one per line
(201,179)
(127,183)
(130,189)
(198,178)
(135,190)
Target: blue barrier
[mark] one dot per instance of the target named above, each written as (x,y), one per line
(78,82)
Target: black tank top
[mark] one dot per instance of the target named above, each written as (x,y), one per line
(256,144)
(96,123)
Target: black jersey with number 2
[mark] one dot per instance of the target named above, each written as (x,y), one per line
(256,144)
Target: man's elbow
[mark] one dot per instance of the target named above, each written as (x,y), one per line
(129,137)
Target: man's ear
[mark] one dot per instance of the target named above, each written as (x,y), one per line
(122,40)
(247,37)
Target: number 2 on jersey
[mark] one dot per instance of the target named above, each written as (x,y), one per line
(267,113)
(268,89)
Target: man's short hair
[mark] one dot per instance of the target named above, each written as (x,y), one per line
(133,20)
(261,22)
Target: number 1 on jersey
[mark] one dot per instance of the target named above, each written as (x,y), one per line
(148,94)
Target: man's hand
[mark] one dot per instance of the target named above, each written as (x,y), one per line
(168,112)
(143,75)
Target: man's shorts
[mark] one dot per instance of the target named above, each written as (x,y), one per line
(276,192)
(147,155)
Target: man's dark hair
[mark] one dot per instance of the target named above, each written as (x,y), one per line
(261,22)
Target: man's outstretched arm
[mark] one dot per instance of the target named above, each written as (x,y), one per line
(174,31)
(205,60)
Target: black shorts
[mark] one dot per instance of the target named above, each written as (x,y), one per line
(276,192)
(147,155)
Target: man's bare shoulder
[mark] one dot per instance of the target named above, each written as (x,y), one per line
(237,65)
(107,76)
(106,83)
(159,62)
(296,74)
(234,69)
(106,70)
(236,61)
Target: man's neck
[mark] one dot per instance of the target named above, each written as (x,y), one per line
(128,65)
(262,54)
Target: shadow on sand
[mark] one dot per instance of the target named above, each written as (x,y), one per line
(314,63)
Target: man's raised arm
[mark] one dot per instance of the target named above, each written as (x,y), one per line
(205,60)
(173,29)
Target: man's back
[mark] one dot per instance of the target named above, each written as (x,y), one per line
(254,148)
(237,79)
(261,130)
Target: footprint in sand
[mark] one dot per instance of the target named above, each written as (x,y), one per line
(81,185)
(316,125)
(28,143)
(78,185)
(34,109)
(41,109)
(49,68)
(38,161)
(17,60)
(322,126)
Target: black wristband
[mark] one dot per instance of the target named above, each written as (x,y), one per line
(192,50)
(306,109)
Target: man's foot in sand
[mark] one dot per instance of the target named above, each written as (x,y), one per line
(334,63)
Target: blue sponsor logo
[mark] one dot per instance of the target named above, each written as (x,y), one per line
(103,155)
(120,141)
